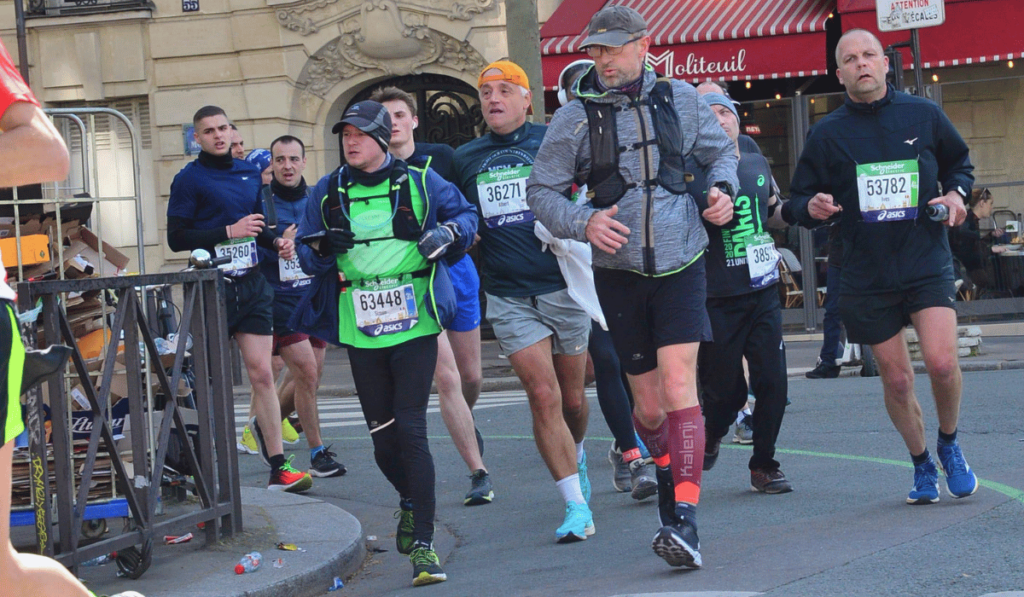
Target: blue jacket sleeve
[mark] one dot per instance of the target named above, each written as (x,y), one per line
(452,208)
(313,222)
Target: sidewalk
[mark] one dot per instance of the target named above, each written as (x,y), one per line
(334,547)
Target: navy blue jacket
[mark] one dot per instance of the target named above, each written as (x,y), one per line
(884,257)
(317,312)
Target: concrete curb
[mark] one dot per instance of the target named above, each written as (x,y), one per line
(334,544)
(332,540)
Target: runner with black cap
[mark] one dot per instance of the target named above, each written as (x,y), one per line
(373,235)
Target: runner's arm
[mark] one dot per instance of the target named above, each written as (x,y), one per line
(554,170)
(313,222)
(452,208)
(31,150)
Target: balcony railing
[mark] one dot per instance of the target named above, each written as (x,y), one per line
(58,8)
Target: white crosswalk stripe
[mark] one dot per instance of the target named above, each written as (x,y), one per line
(345,412)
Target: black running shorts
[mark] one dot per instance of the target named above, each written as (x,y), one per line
(874,318)
(645,313)
(250,302)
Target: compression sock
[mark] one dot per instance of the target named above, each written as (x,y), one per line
(686,448)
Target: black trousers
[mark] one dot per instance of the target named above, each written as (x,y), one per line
(393,386)
(750,326)
(613,392)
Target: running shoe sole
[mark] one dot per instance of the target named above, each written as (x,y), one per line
(922,501)
(479,499)
(257,435)
(303,484)
(425,578)
(243,449)
(572,537)
(645,490)
(338,472)
(670,547)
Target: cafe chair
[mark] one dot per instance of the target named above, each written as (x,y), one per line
(789,266)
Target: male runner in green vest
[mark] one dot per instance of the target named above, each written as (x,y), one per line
(381,227)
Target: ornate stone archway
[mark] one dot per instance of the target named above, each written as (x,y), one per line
(379,39)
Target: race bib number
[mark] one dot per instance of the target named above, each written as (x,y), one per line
(762,260)
(291,273)
(242,252)
(888,191)
(388,310)
(503,196)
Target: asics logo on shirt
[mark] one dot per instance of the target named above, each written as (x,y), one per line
(910,141)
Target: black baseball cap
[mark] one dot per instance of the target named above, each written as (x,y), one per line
(370,117)
(614,26)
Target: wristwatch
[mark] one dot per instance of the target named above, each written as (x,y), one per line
(725,187)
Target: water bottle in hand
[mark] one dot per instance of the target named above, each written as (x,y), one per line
(937,212)
(250,562)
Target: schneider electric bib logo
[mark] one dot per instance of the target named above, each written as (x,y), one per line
(696,65)
(881,169)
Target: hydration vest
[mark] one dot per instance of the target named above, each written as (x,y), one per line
(605,184)
(385,263)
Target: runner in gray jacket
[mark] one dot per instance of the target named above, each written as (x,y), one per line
(666,226)
(627,136)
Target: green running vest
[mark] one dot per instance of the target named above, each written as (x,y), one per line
(385,280)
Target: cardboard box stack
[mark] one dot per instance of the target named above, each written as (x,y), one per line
(71,249)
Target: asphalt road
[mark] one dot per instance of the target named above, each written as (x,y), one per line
(845,530)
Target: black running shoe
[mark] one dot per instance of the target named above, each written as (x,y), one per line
(769,481)
(711,449)
(324,464)
(823,371)
(678,544)
(481,492)
(426,568)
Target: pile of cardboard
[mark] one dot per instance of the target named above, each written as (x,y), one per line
(71,251)
(78,252)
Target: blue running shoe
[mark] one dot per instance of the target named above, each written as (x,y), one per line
(960,479)
(584,479)
(926,484)
(644,453)
(578,524)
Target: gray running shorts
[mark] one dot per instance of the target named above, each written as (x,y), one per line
(521,322)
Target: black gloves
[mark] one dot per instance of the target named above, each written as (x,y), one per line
(336,242)
(435,242)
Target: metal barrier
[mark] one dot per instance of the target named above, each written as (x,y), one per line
(213,462)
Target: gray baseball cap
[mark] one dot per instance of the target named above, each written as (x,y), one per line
(614,26)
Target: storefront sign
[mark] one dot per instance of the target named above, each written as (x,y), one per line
(751,129)
(896,15)
(687,65)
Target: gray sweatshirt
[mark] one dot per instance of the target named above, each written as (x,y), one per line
(666,230)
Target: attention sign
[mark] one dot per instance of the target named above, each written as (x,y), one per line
(897,15)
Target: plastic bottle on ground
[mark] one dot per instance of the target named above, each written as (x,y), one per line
(250,562)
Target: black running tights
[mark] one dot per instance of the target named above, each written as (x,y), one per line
(393,386)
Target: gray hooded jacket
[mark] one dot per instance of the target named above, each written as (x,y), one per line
(666,230)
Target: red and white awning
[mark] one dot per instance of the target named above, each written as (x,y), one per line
(975,32)
(700,39)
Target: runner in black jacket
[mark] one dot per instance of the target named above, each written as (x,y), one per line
(874,163)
